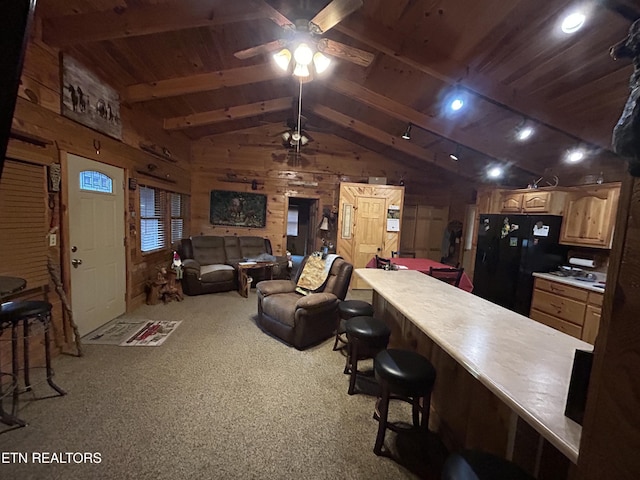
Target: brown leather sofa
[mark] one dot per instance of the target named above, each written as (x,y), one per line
(210,261)
(303,320)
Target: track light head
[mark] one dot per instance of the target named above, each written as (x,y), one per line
(407,134)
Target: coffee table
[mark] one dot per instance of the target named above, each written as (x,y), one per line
(243,276)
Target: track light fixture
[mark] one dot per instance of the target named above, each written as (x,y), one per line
(407,134)
(455,155)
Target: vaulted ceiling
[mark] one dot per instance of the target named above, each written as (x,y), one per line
(175,60)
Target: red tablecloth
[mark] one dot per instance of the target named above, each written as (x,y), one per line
(423,265)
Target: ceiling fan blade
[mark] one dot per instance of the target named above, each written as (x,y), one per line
(340,50)
(260,49)
(274,15)
(333,14)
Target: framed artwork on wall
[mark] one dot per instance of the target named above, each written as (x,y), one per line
(238,209)
(88,100)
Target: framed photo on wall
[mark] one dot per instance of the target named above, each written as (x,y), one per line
(238,209)
(88,100)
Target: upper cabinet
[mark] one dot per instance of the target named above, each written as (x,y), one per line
(589,217)
(537,201)
(511,202)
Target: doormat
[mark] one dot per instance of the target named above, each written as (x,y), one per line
(153,334)
(132,333)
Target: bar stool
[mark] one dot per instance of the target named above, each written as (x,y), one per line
(366,337)
(25,312)
(407,376)
(475,465)
(348,309)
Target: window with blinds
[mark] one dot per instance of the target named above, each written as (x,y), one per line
(162,218)
(23,223)
(177,216)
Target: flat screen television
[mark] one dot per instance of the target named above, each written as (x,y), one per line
(14,34)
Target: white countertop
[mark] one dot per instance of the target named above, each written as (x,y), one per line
(523,362)
(571,281)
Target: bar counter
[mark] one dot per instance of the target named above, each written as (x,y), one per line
(525,364)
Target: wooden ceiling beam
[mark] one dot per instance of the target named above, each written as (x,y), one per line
(441,66)
(407,114)
(203,82)
(396,143)
(141,20)
(226,114)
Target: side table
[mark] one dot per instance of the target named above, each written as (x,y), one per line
(244,284)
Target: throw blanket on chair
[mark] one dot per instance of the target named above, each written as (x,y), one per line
(315,274)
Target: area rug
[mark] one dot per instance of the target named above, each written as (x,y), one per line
(153,334)
(132,333)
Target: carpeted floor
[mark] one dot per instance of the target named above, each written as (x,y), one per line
(220,399)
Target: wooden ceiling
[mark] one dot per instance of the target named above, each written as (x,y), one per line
(174,59)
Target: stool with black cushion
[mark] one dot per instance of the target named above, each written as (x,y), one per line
(25,313)
(348,309)
(476,465)
(407,376)
(366,336)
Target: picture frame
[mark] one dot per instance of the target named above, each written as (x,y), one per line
(89,101)
(238,209)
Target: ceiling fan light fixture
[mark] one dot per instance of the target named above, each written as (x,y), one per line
(282,58)
(320,62)
(301,70)
(303,54)
(286,136)
(304,140)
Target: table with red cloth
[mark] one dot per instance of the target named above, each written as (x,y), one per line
(423,265)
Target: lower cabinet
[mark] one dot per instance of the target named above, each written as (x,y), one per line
(572,310)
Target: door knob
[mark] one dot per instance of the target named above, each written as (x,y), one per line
(75,262)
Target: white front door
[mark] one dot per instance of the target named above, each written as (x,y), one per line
(96,242)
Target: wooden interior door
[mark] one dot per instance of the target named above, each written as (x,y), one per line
(423,229)
(365,233)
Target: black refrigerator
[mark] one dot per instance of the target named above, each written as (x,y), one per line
(510,249)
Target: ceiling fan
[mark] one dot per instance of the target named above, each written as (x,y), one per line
(307,32)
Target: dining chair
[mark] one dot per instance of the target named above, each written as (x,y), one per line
(405,254)
(383,262)
(449,275)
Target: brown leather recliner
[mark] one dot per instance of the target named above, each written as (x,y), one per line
(303,320)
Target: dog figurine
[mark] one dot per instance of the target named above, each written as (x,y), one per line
(626,133)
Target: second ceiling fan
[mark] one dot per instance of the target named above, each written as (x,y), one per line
(302,41)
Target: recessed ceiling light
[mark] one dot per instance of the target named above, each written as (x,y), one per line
(457,104)
(573,22)
(495,172)
(524,133)
(575,156)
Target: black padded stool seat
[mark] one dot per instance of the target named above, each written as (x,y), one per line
(348,309)
(475,465)
(366,337)
(407,376)
(24,312)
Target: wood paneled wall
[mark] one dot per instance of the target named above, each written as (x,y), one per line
(37,115)
(233,161)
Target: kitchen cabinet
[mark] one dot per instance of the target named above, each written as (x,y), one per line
(572,310)
(589,217)
(511,202)
(549,202)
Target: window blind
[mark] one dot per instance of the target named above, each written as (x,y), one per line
(152,219)
(177,216)
(23,223)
